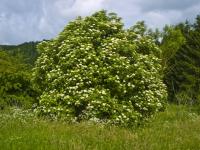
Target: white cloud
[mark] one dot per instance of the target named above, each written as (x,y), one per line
(85,7)
(159,18)
(26,20)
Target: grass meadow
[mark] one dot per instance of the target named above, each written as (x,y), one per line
(177,128)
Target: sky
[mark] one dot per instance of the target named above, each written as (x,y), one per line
(35,20)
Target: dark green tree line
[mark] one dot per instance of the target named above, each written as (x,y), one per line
(182,72)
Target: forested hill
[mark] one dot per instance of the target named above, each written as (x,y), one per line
(25,51)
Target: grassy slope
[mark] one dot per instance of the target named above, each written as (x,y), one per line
(176,128)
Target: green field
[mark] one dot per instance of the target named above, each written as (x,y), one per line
(178,128)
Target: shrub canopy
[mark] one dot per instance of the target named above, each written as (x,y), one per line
(96,70)
(15,86)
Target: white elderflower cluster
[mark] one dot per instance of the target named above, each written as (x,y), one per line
(94,71)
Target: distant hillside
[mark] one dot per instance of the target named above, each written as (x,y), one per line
(26,51)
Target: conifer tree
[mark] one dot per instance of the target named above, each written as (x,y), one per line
(183,80)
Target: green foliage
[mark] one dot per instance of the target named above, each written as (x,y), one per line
(15,86)
(145,39)
(183,73)
(172,40)
(26,52)
(16,90)
(9,64)
(95,70)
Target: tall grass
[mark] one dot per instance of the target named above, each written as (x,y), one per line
(175,129)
